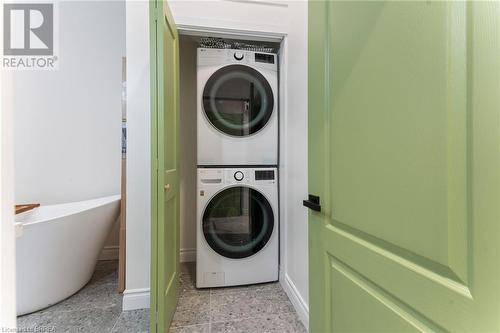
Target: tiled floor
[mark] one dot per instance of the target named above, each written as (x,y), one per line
(97,308)
(256,308)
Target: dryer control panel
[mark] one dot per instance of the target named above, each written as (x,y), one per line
(264,57)
(215,57)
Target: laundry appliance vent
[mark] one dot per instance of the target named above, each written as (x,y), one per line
(221,43)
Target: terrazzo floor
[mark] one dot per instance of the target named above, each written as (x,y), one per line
(97,308)
(257,308)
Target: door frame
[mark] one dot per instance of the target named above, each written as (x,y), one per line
(153,312)
(212,29)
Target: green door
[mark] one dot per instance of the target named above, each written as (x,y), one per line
(165,167)
(404,153)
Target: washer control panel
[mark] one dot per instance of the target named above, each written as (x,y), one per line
(264,175)
(208,177)
(238,175)
(250,176)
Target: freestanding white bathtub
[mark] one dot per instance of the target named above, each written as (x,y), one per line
(58,249)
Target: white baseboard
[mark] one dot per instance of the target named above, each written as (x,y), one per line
(109,253)
(188,255)
(297,301)
(135,299)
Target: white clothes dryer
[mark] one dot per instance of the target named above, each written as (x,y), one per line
(237,107)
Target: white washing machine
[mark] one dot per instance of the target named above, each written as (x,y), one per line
(237,107)
(237,229)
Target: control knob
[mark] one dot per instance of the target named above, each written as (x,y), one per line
(238,175)
(238,55)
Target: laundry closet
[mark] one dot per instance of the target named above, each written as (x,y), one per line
(281,25)
(229,139)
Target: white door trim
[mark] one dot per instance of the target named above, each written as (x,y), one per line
(200,30)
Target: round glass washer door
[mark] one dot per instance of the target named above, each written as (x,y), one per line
(238,100)
(238,222)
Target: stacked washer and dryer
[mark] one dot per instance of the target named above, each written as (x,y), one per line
(237,188)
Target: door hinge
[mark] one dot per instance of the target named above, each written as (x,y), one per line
(159,14)
(156,317)
(155,164)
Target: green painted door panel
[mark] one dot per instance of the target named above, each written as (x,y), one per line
(404,151)
(165,162)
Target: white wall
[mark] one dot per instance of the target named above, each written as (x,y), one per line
(258,17)
(293,163)
(67,123)
(187,73)
(7,241)
(138,157)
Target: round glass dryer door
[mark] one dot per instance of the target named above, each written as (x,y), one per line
(238,100)
(238,222)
